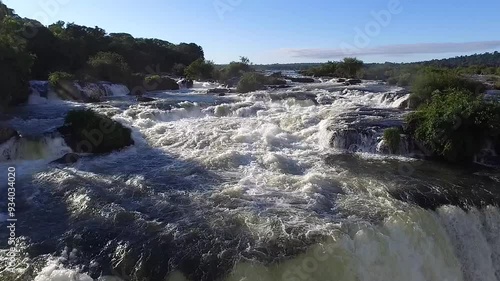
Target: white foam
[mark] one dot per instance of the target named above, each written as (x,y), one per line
(116,90)
(47,147)
(55,271)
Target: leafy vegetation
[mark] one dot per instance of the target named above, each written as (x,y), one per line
(15,61)
(392,138)
(349,67)
(200,69)
(108,66)
(234,70)
(32,51)
(252,81)
(55,78)
(430,80)
(86,131)
(455,124)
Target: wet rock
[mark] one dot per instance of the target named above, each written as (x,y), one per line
(7,133)
(405,104)
(186,83)
(341,80)
(353,82)
(86,131)
(219,91)
(144,99)
(301,79)
(69,158)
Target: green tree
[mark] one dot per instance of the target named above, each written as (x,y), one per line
(200,69)
(15,61)
(109,67)
(350,67)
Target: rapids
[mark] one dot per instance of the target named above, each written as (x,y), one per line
(262,186)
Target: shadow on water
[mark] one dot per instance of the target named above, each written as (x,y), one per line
(137,214)
(426,184)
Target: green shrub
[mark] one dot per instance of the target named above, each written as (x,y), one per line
(234,70)
(55,78)
(200,69)
(152,79)
(160,83)
(455,124)
(392,138)
(429,81)
(393,80)
(404,80)
(89,132)
(253,81)
(139,83)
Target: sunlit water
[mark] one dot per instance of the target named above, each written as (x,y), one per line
(245,187)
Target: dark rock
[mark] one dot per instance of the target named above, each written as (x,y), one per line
(279,86)
(353,82)
(86,131)
(219,91)
(144,99)
(69,158)
(186,83)
(301,79)
(405,104)
(7,133)
(277,74)
(341,80)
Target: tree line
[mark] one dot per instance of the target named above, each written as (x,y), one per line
(31,51)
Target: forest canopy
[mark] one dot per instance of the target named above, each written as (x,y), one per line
(31,51)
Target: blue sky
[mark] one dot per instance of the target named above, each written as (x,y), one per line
(279,31)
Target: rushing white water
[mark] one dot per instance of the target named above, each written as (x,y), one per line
(47,147)
(239,187)
(116,90)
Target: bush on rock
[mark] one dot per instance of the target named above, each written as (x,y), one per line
(455,124)
(86,131)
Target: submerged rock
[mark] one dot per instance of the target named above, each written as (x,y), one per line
(7,133)
(219,91)
(353,82)
(88,132)
(69,158)
(144,99)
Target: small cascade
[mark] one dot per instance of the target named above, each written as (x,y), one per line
(41,91)
(40,88)
(115,90)
(356,140)
(49,146)
(488,156)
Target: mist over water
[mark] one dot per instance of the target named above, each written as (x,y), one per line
(247,187)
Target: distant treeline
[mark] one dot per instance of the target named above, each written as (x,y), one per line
(31,51)
(486,63)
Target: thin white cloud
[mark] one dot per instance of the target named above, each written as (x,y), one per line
(394,50)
